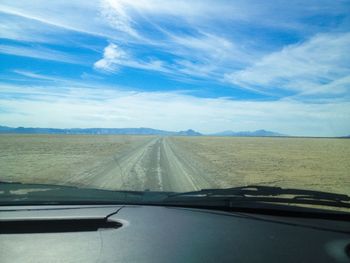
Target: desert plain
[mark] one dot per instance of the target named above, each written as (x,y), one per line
(175,163)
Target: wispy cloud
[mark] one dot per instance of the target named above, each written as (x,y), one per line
(90,81)
(203,12)
(115,14)
(40,53)
(203,49)
(319,65)
(205,54)
(34,75)
(200,39)
(199,54)
(103,18)
(21,29)
(114,57)
(77,16)
(84,107)
(298,51)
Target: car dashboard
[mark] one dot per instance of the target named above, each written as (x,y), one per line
(141,233)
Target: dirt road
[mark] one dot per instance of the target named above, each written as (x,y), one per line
(130,162)
(156,165)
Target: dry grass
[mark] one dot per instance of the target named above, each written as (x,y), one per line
(309,163)
(322,164)
(57,158)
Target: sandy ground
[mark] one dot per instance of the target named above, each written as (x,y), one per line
(175,163)
(309,163)
(60,158)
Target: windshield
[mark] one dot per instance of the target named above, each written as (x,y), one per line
(174,96)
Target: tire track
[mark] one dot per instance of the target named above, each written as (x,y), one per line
(115,173)
(182,176)
(155,165)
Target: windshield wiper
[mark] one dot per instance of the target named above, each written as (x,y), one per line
(270,194)
(23,193)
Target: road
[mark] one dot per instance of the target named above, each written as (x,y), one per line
(156,164)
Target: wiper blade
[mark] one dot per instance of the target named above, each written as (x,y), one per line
(53,193)
(268,194)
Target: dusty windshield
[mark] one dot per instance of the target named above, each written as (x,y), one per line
(175,96)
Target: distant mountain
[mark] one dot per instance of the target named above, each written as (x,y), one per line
(257,133)
(5,128)
(106,131)
(189,132)
(132,131)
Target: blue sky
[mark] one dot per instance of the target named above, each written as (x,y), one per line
(205,65)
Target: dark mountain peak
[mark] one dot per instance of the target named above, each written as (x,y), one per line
(189,132)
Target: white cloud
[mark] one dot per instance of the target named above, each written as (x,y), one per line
(288,14)
(21,29)
(40,53)
(116,16)
(201,44)
(105,18)
(115,57)
(209,49)
(47,14)
(93,107)
(33,75)
(207,54)
(85,17)
(319,65)
(204,56)
(112,57)
(109,18)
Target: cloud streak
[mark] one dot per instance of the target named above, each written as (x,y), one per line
(114,57)
(88,107)
(40,53)
(292,58)
(199,39)
(317,66)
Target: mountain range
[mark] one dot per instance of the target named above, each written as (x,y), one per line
(106,131)
(257,133)
(131,131)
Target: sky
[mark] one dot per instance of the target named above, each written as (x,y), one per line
(206,65)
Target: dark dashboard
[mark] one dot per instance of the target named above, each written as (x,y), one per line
(165,234)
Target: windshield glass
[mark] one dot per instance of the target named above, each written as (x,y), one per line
(174,96)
